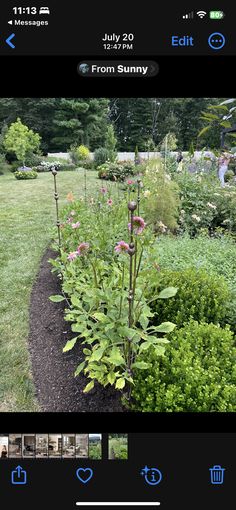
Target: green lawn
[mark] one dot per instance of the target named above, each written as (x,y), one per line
(27,216)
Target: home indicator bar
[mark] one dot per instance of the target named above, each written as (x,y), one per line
(118,503)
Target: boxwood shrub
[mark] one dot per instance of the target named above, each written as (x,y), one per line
(25,175)
(196,374)
(116,171)
(201,296)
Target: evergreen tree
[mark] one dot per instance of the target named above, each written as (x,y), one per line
(80,121)
(110,143)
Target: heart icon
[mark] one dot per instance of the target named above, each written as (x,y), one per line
(84,474)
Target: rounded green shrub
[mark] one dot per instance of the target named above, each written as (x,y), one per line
(201,296)
(101,155)
(196,374)
(229,175)
(103,170)
(25,175)
(116,171)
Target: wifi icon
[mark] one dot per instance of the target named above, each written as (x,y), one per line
(201,14)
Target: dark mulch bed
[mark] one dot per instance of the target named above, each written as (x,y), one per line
(56,387)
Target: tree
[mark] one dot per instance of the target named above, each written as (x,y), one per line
(36,113)
(80,121)
(218,117)
(133,121)
(110,143)
(20,140)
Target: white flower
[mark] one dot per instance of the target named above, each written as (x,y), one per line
(195,217)
(212,206)
(147,193)
(48,165)
(162,226)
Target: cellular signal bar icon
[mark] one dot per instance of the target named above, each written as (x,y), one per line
(190,15)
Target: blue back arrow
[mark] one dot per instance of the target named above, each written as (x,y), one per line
(8,41)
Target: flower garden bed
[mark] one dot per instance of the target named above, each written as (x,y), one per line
(126,311)
(56,388)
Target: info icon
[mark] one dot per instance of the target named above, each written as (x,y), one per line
(152,476)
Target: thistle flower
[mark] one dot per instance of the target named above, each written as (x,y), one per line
(103,191)
(138,223)
(82,249)
(110,202)
(130,182)
(121,247)
(75,225)
(72,256)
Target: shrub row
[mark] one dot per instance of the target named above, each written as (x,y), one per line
(197,373)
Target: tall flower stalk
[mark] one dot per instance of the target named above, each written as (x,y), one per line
(56,196)
(85,185)
(136,244)
(131,251)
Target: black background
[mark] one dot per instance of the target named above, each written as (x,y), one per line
(183,459)
(78,27)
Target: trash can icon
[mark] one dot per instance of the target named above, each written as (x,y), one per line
(217,475)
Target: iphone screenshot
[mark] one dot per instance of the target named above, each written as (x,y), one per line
(117,255)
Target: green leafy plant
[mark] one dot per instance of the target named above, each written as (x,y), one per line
(83,152)
(110,143)
(161,204)
(101,156)
(201,296)
(214,255)
(24,175)
(98,278)
(137,158)
(197,373)
(21,141)
(116,171)
(205,205)
(218,117)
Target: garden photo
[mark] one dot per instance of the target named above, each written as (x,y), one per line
(118,446)
(118,259)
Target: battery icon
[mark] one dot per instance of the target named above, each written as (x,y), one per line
(217,15)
